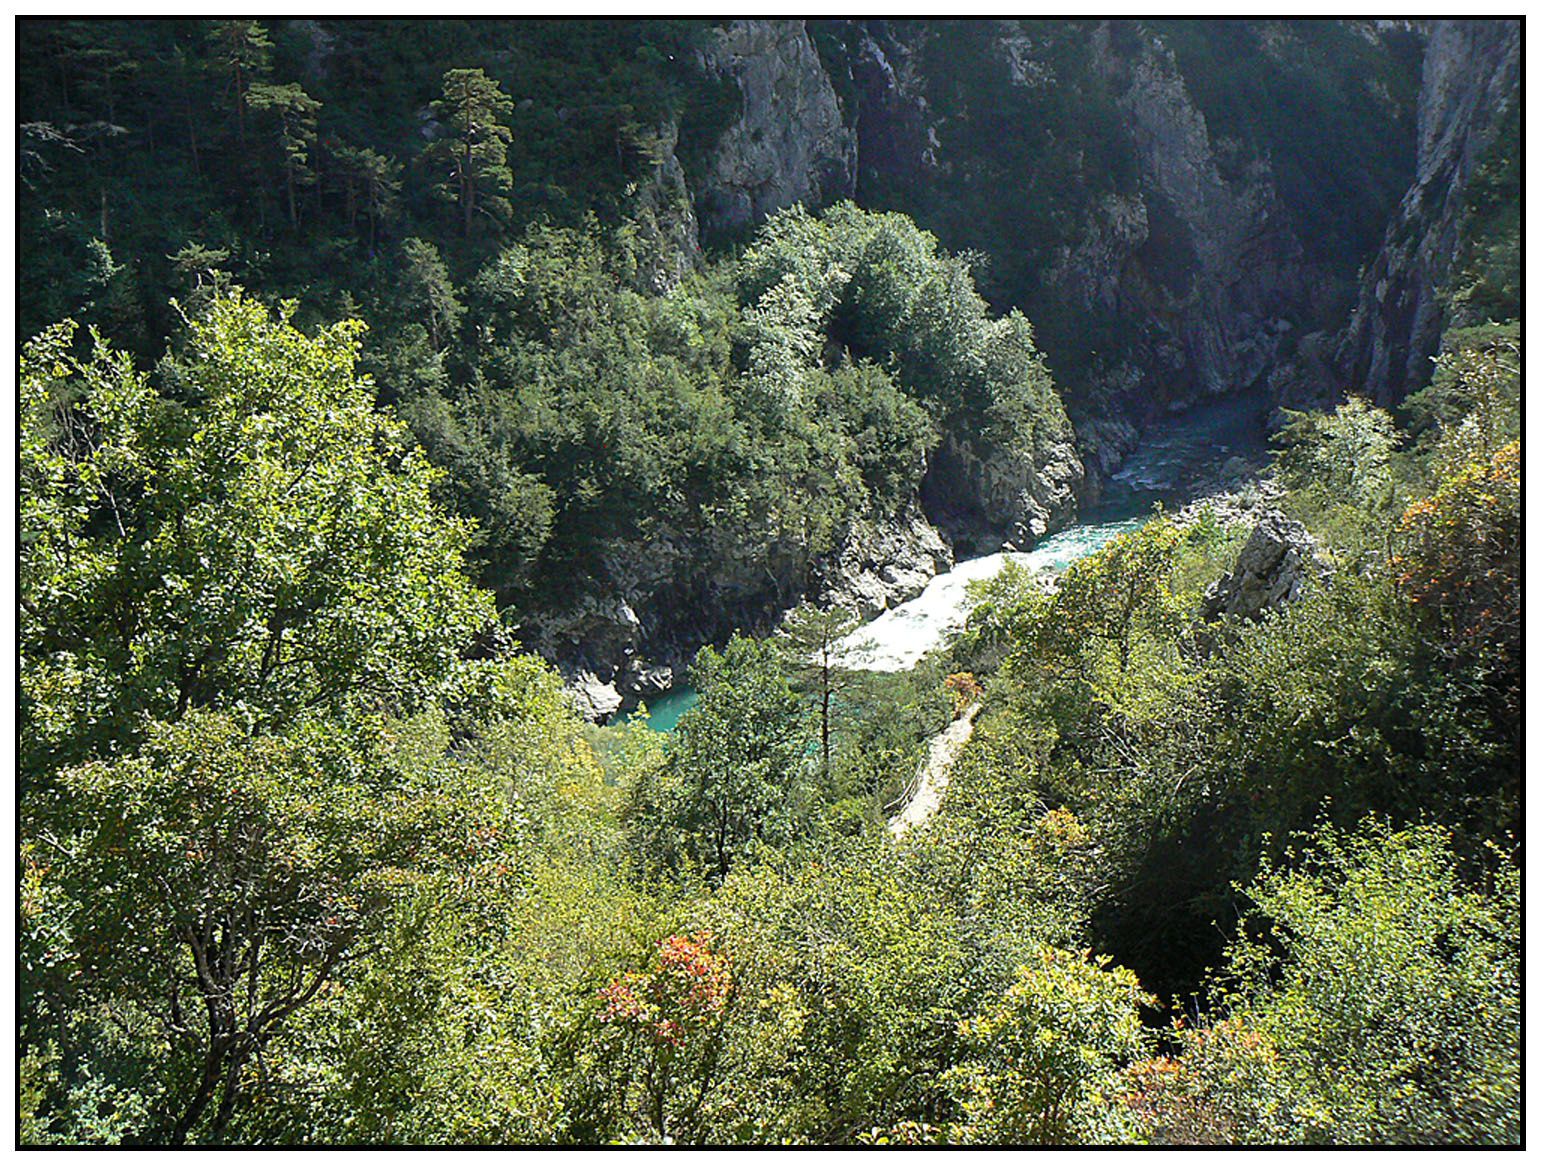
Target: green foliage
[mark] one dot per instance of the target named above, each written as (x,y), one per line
(1459,554)
(888,719)
(850,984)
(1491,281)
(295,112)
(1176,750)
(1472,406)
(142,134)
(470,1021)
(882,288)
(715,420)
(1462,565)
(244,48)
(734,780)
(258,539)
(371,186)
(427,294)
(1106,602)
(1338,468)
(220,880)
(1041,1065)
(1385,994)
(807,642)
(474,147)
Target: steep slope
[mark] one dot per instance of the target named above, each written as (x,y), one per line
(1471,79)
(1183,208)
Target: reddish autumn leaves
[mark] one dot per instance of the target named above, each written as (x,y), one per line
(687,989)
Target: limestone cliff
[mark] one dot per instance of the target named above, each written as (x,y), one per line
(790,143)
(668,239)
(1471,74)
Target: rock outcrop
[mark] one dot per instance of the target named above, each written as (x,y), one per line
(663,211)
(1277,562)
(983,493)
(884,563)
(1471,72)
(592,699)
(791,142)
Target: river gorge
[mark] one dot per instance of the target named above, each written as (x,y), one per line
(1181,457)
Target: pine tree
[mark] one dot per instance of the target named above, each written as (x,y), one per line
(809,635)
(296,113)
(476,147)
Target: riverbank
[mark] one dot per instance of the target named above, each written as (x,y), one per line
(1209,455)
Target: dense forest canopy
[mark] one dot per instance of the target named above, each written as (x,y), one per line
(369,372)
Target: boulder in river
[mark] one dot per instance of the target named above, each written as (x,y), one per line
(647,680)
(593,699)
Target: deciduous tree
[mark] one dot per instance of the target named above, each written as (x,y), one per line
(258,539)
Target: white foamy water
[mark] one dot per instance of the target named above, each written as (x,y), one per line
(1170,454)
(896,640)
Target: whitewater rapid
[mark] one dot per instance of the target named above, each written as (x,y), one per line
(896,640)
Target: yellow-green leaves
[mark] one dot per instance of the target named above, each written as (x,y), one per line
(260,538)
(1041,1063)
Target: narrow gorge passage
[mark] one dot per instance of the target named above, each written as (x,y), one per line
(1183,455)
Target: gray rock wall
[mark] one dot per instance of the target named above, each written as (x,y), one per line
(791,144)
(1471,71)
(1216,326)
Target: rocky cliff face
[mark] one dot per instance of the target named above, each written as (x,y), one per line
(1471,72)
(1167,248)
(663,210)
(791,142)
(1216,316)
(1012,497)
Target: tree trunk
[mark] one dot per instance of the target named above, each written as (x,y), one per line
(240,109)
(200,1100)
(824,719)
(230,1092)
